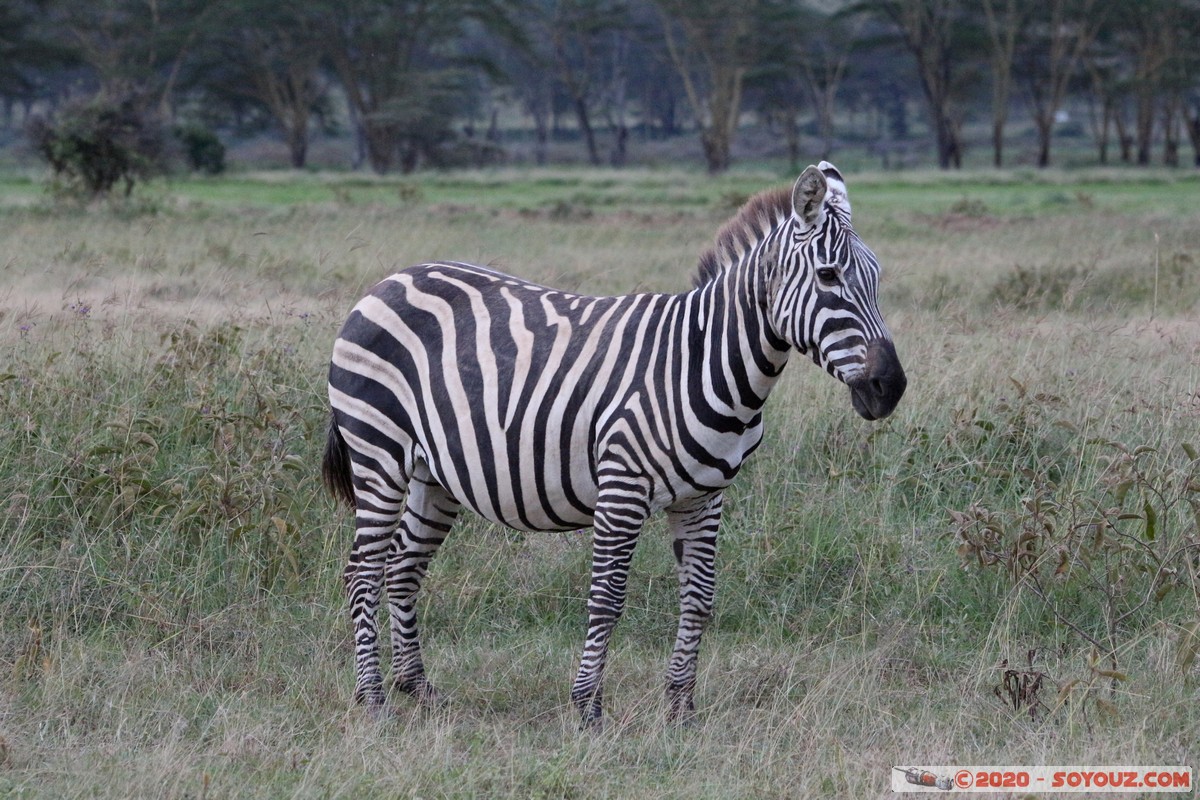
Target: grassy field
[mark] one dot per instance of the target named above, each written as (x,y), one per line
(1007,571)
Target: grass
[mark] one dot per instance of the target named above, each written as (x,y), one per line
(171,617)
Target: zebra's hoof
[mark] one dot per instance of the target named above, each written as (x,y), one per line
(593,725)
(683,721)
(681,710)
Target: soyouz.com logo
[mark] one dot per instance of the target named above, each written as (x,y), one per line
(1042,779)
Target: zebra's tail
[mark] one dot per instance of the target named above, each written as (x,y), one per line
(335,467)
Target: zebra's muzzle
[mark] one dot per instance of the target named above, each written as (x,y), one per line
(878,388)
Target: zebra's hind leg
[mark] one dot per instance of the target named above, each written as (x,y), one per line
(377,513)
(694,539)
(617,525)
(426,521)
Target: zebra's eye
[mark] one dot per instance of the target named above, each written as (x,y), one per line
(827,274)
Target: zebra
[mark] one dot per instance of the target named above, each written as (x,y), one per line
(456,385)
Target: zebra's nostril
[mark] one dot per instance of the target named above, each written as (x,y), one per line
(877,387)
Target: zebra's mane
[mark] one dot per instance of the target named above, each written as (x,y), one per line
(737,237)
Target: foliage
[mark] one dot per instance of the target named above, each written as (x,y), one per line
(202,148)
(1104,553)
(95,144)
(845,66)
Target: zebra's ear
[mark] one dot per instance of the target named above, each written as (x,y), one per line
(808,195)
(837,186)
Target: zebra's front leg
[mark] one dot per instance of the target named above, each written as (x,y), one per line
(427,520)
(613,541)
(694,539)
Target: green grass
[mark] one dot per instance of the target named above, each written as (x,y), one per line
(171,616)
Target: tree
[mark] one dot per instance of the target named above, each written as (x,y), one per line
(1060,32)
(1108,85)
(404,77)
(711,44)
(137,48)
(1006,22)
(582,47)
(825,53)
(938,35)
(804,55)
(1151,36)
(270,54)
(29,50)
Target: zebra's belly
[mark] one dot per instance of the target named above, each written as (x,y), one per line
(526,488)
(526,483)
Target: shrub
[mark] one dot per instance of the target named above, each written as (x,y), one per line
(202,148)
(95,144)
(1100,553)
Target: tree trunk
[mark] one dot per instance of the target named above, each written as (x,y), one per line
(1124,140)
(948,145)
(1045,133)
(298,146)
(825,126)
(1170,121)
(585,130)
(1191,123)
(1145,125)
(1102,134)
(791,134)
(716,149)
(381,147)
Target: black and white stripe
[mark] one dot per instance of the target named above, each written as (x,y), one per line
(453,385)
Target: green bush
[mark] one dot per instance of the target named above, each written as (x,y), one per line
(202,148)
(95,144)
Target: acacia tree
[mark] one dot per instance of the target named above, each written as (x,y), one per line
(712,46)
(776,88)
(1062,30)
(401,69)
(270,54)
(825,52)
(1006,21)
(581,46)
(1107,87)
(30,50)
(802,58)
(1152,37)
(137,48)
(938,35)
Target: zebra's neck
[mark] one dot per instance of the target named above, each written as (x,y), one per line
(741,354)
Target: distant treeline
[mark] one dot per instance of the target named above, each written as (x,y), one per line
(442,81)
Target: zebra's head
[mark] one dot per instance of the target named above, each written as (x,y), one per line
(825,302)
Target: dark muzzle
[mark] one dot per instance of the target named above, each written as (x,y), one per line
(875,393)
